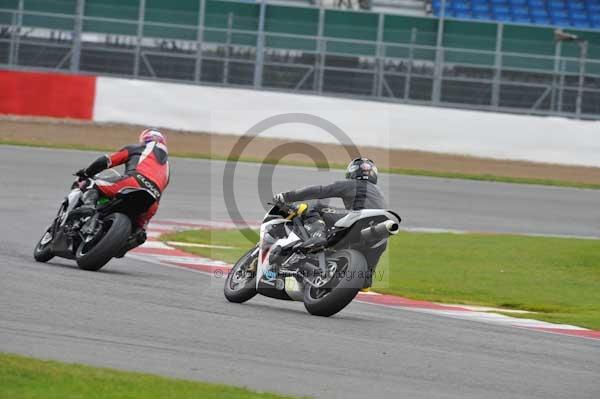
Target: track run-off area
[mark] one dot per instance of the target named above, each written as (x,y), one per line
(141,316)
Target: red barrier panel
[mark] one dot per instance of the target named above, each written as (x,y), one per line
(47,94)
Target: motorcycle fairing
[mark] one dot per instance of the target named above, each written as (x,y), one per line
(72,200)
(265,247)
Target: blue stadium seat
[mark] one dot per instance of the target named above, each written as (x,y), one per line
(484,16)
(577,13)
(481,8)
(536,4)
(542,20)
(502,9)
(576,6)
(520,11)
(561,21)
(437,4)
(556,4)
(502,16)
(462,14)
(558,14)
(539,12)
(581,24)
(460,6)
(522,19)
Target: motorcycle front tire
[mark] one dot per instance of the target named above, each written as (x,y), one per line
(43,253)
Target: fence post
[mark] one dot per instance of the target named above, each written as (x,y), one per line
(321,50)
(561,84)
(13,36)
(379,58)
(17,38)
(437,70)
(260,46)
(497,66)
(199,40)
(582,60)
(227,48)
(77,29)
(139,35)
(557,54)
(411,55)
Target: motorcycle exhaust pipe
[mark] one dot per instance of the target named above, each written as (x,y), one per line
(380,231)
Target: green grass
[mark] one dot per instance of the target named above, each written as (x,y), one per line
(558,278)
(27,378)
(410,172)
(230,238)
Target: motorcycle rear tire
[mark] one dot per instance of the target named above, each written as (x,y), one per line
(344,292)
(109,245)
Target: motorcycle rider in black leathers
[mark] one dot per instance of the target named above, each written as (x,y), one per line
(358,191)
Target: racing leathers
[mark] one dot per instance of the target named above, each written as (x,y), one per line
(356,195)
(146,166)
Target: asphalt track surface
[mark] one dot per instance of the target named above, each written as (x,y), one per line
(140,316)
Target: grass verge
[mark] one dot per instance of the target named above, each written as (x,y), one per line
(558,278)
(410,172)
(24,377)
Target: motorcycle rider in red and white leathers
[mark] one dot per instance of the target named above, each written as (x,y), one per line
(146,166)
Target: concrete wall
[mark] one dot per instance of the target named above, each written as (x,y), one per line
(234,111)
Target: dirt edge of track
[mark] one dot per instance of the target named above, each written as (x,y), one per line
(111,136)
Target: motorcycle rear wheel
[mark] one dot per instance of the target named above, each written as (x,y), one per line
(116,229)
(240,285)
(342,288)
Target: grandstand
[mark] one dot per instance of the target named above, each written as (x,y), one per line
(285,45)
(564,13)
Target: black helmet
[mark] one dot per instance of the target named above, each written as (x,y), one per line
(362,169)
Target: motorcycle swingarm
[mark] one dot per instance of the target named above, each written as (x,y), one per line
(304,268)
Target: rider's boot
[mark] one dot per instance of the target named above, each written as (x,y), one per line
(317,236)
(137,238)
(90,198)
(368,283)
(369,279)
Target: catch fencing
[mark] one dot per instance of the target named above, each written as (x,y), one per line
(392,58)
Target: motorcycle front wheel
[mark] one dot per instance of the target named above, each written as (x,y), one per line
(98,250)
(347,280)
(43,249)
(240,285)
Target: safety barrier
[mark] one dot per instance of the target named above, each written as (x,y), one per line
(367,123)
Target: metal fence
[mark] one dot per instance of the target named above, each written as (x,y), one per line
(261,59)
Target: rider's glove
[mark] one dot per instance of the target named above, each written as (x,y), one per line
(81,174)
(279,198)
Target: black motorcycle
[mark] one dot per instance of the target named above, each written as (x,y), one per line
(325,279)
(94,234)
